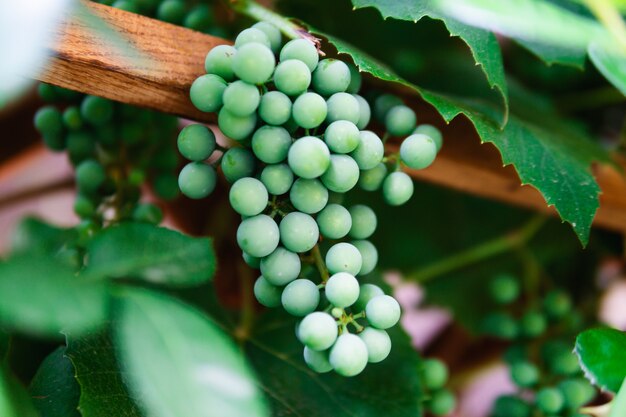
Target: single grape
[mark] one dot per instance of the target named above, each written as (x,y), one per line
(96,110)
(300,297)
(559,358)
(48,93)
(254,62)
(432,132)
(90,175)
(343,257)
(370,150)
(318,331)
(524,374)
(301,49)
(166,186)
(342,174)
(342,289)
(252,35)
(418,151)
(382,311)
(49,121)
(147,213)
(317,361)
(355,79)
(343,106)
(252,262)
(196,142)
(292,77)
(237,163)
(576,392)
(500,325)
(84,207)
(258,236)
(364,221)
(400,121)
(366,293)
(281,266)
(72,118)
(334,222)
(511,406)
(533,324)
(206,92)
(308,157)
(80,146)
(372,179)
(365,113)
(275,108)
(272,33)
(550,400)
(200,18)
(266,293)
(369,254)
(171,11)
(397,188)
(241,98)
(348,356)
(383,104)
(342,136)
(331,76)
(377,342)
(219,61)
(277,178)
(435,374)
(504,289)
(309,110)
(308,196)
(248,196)
(271,144)
(442,402)
(197,180)
(236,127)
(298,232)
(557,304)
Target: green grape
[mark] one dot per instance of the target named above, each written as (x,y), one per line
(397,188)
(342,288)
(504,289)
(301,49)
(343,106)
(317,361)
(281,266)
(272,33)
(364,221)
(80,146)
(252,262)
(254,62)
(550,400)
(248,196)
(241,98)
(277,178)
(370,150)
(72,118)
(197,180)
(196,142)
(309,110)
(90,175)
(334,222)
(237,163)
(342,136)
(49,121)
(318,331)
(308,157)
(435,374)
(511,406)
(96,110)
(366,293)
(252,35)
(171,11)
(559,358)
(576,392)
(165,160)
(275,108)
(266,293)
(200,18)
(136,177)
(147,213)
(369,254)
(348,356)
(47,92)
(271,144)
(298,232)
(383,104)
(258,236)
(132,133)
(418,151)
(372,179)
(84,206)
(432,132)
(206,92)
(300,297)
(166,186)
(308,196)
(125,5)
(331,76)
(500,325)
(442,402)
(355,79)
(365,113)
(382,311)
(400,121)
(516,353)
(236,127)
(557,304)
(524,374)
(292,77)
(378,344)
(344,257)
(342,174)
(219,61)
(533,324)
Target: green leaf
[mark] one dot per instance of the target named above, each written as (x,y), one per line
(150,253)
(14,400)
(103,386)
(180,363)
(611,63)
(5,343)
(618,405)
(602,355)
(54,389)
(44,297)
(35,235)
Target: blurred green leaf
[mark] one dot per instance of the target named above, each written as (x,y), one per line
(611,63)
(5,343)
(602,355)
(35,235)
(618,405)
(150,253)
(14,400)
(54,388)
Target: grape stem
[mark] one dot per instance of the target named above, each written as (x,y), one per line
(319,263)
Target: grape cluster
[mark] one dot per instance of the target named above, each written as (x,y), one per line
(440,400)
(541,361)
(300,143)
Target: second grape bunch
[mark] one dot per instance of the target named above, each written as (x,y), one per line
(302,130)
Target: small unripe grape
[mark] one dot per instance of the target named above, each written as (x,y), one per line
(298,232)
(197,180)
(432,132)
(366,293)
(397,188)
(207,91)
(557,304)
(382,312)
(309,110)
(292,77)
(342,174)
(125,5)
(49,121)
(342,136)
(166,186)
(272,33)
(576,392)
(258,236)
(301,49)
(90,175)
(252,35)
(236,127)
(383,104)
(219,61)
(308,157)
(343,106)
(365,113)
(377,342)
(331,76)
(442,402)
(343,257)
(277,178)
(334,222)
(251,261)
(275,108)
(500,325)
(248,196)
(533,324)
(84,206)
(400,121)
(318,331)
(72,118)
(281,266)
(308,196)
(266,293)
(80,146)
(147,213)
(510,406)
(342,289)
(300,297)
(254,62)
(96,110)
(369,254)
(504,289)
(317,361)
(196,142)
(372,179)
(370,150)
(171,11)
(418,151)
(48,93)
(348,356)
(241,98)
(435,374)
(550,400)
(355,79)
(271,144)
(364,221)
(237,163)
(524,374)
(200,18)
(559,358)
